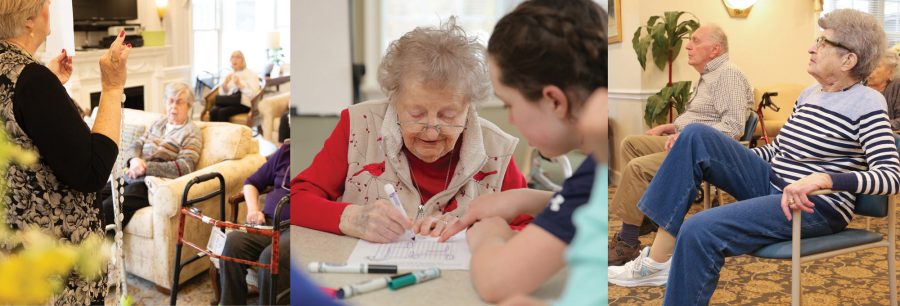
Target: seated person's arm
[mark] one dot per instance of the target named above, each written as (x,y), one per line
(254,212)
(515,180)
(314,192)
(508,205)
(504,264)
(260,180)
(79,158)
(883,175)
(184,163)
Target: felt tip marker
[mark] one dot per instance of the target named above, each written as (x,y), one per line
(395,199)
(366,286)
(415,278)
(326,267)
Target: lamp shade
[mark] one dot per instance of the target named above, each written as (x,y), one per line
(740,4)
(161,7)
(738,8)
(274,41)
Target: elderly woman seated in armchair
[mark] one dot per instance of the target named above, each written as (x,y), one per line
(426,138)
(169,148)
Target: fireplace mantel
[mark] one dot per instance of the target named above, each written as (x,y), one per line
(146,67)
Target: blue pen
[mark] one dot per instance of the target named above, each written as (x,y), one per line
(395,199)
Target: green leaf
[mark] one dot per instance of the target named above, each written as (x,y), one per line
(681,95)
(652,21)
(655,105)
(677,48)
(660,46)
(640,48)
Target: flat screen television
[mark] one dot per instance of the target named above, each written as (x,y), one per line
(104,10)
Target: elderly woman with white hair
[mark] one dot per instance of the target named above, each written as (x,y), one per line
(882,79)
(169,148)
(236,90)
(57,192)
(426,139)
(838,137)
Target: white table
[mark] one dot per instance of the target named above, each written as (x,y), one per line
(453,288)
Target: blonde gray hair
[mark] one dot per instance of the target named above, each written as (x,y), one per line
(243,59)
(443,57)
(13,14)
(717,35)
(890,59)
(175,89)
(861,33)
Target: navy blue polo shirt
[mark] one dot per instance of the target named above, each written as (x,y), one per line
(576,191)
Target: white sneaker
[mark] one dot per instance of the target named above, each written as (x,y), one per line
(642,271)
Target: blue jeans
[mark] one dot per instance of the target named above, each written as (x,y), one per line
(703,241)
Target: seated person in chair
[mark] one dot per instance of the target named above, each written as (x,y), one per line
(169,148)
(274,173)
(235,91)
(838,137)
(722,99)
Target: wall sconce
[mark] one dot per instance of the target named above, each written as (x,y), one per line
(161,7)
(738,8)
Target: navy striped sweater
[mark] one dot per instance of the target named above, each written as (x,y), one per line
(845,134)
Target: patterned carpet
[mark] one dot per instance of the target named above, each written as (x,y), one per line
(196,291)
(852,279)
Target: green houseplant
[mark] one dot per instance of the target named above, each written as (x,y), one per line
(663,37)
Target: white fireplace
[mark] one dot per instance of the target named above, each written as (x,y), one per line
(146,68)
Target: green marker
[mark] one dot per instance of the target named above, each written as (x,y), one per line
(414,278)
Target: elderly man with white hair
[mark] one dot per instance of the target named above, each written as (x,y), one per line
(722,99)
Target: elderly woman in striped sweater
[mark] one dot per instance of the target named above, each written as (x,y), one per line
(837,137)
(169,148)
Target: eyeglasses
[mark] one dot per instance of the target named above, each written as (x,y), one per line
(421,127)
(822,41)
(173,100)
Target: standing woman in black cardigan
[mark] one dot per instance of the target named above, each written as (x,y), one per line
(57,192)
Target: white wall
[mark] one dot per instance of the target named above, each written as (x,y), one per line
(769,46)
(320,52)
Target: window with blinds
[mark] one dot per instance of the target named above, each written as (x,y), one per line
(477,17)
(888,11)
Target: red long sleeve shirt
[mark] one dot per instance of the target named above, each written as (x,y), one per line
(314,191)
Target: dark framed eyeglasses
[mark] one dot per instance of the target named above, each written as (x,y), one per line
(822,41)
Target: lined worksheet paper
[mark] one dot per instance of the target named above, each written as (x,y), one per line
(425,252)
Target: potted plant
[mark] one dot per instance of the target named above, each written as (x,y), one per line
(663,37)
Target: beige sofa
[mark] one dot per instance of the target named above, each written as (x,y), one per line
(150,237)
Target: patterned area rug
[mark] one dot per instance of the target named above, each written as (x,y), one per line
(196,291)
(852,279)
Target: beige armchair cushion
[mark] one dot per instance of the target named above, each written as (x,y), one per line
(787,95)
(224,141)
(271,108)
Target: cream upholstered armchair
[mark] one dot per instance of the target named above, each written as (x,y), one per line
(150,237)
(772,120)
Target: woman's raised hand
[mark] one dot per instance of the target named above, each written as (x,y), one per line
(113,69)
